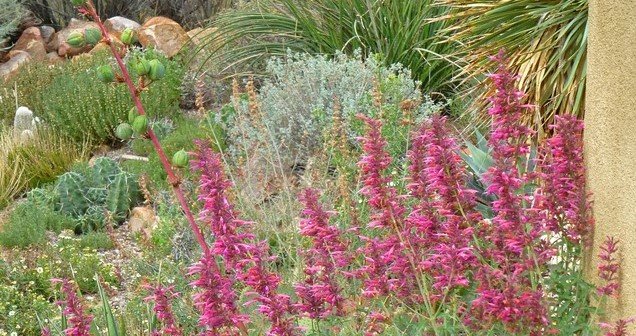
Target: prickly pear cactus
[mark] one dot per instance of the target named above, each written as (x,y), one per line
(70,189)
(23,121)
(123,193)
(104,171)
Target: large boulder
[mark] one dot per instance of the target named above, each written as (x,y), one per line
(47,34)
(11,67)
(31,42)
(58,42)
(116,25)
(164,35)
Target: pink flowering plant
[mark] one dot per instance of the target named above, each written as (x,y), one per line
(426,254)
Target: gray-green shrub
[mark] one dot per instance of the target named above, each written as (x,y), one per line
(10,15)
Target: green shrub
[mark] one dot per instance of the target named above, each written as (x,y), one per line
(28,164)
(401,31)
(91,240)
(68,97)
(28,222)
(10,15)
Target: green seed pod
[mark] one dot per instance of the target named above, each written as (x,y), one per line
(142,67)
(140,125)
(157,70)
(128,36)
(78,2)
(124,131)
(132,114)
(76,39)
(180,159)
(106,74)
(92,36)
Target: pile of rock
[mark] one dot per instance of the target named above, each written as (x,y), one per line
(43,43)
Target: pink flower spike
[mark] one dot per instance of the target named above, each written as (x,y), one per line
(161,297)
(79,322)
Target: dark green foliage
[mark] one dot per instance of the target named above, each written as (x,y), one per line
(404,32)
(69,98)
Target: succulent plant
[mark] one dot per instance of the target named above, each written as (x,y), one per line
(70,189)
(23,120)
(123,193)
(104,171)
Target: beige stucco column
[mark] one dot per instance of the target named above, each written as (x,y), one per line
(610,137)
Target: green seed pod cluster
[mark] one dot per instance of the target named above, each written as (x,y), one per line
(142,67)
(128,36)
(92,36)
(132,114)
(157,70)
(124,131)
(106,74)
(180,159)
(140,124)
(76,39)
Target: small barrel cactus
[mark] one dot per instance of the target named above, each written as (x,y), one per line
(23,121)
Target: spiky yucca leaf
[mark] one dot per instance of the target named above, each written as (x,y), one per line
(397,30)
(545,39)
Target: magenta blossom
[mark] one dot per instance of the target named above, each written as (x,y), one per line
(79,322)
(161,297)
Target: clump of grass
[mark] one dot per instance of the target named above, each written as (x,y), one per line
(29,163)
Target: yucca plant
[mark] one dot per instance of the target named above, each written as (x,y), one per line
(547,44)
(397,31)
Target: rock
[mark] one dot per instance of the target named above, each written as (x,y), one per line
(47,33)
(11,67)
(117,24)
(164,35)
(58,41)
(30,41)
(142,220)
(198,35)
(28,20)
(103,46)
(53,57)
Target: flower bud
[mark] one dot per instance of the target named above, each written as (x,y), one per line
(92,35)
(128,36)
(124,131)
(142,67)
(180,159)
(106,74)
(140,124)
(132,114)
(157,70)
(76,39)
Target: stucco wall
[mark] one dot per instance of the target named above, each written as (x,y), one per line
(610,137)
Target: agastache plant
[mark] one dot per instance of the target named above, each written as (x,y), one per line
(79,322)
(161,297)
